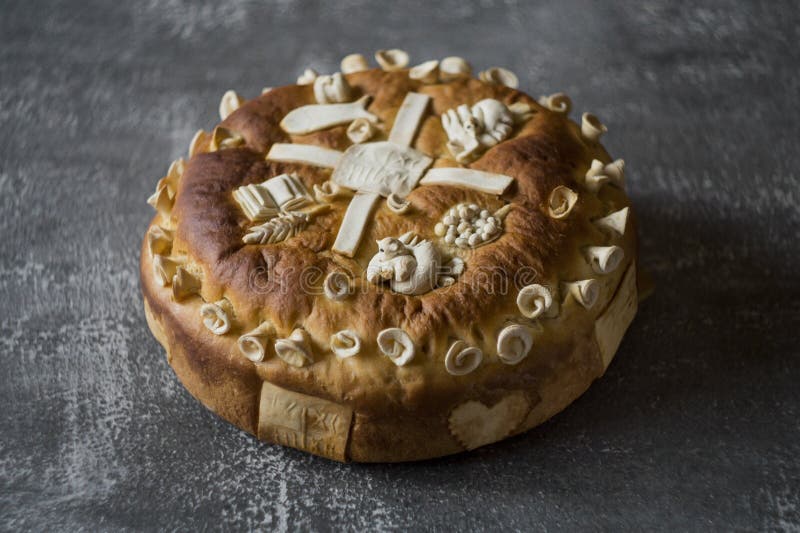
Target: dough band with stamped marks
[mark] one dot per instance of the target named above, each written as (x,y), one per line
(392,262)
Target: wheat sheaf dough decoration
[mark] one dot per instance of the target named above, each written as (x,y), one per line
(398,189)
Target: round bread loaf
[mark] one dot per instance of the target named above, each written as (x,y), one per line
(391,264)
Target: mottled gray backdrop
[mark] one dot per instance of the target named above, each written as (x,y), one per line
(695,425)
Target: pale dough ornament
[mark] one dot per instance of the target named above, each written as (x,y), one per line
(314,117)
(453,68)
(615,222)
(591,127)
(604,259)
(230,102)
(164,269)
(329,191)
(332,89)
(159,241)
(345,343)
(196,142)
(354,63)
(361,130)
(427,72)
(501,76)
(396,345)
(336,286)
(558,102)
(392,60)
(514,344)
(561,202)
(469,226)
(462,359)
(217,316)
(476,128)
(254,344)
(600,173)
(474,424)
(185,284)
(397,203)
(411,265)
(222,138)
(295,350)
(586,291)
(534,300)
(308,77)
(162,200)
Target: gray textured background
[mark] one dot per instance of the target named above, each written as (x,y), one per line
(695,425)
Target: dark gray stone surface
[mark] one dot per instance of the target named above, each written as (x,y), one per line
(695,425)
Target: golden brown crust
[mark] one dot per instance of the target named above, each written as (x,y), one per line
(399,413)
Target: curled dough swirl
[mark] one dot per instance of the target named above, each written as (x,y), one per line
(513,344)
(397,345)
(462,359)
(534,300)
(345,343)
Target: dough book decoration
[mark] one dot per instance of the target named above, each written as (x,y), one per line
(395,261)
(268,199)
(281,204)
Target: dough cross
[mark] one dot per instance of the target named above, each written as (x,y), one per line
(376,170)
